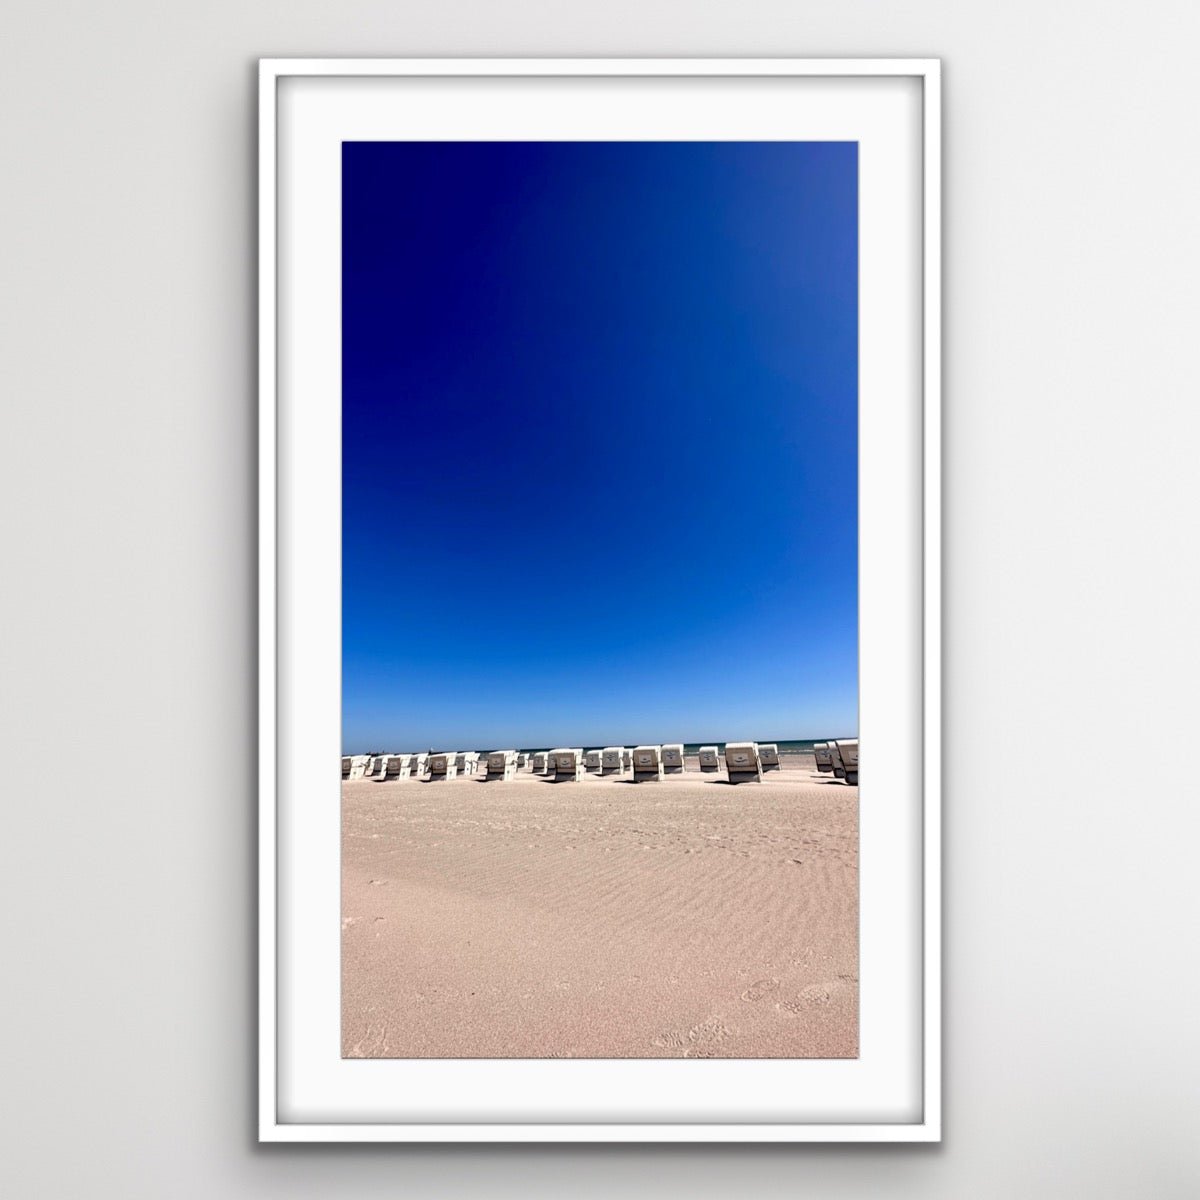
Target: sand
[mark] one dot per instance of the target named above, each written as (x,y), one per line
(601,918)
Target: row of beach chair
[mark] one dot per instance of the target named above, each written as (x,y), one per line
(839,759)
(743,762)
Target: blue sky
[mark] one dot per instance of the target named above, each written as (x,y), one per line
(599,443)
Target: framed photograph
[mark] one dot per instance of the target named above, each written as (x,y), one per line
(599,530)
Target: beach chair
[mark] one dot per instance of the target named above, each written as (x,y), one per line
(566,764)
(414,766)
(591,761)
(392,764)
(647,763)
(824,757)
(501,764)
(628,758)
(742,762)
(710,760)
(378,766)
(442,767)
(347,763)
(466,762)
(539,761)
(835,761)
(768,755)
(358,766)
(522,760)
(612,760)
(672,759)
(849,754)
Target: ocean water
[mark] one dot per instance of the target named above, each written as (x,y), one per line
(786,745)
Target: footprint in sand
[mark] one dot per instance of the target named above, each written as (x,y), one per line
(814,996)
(697,1042)
(760,990)
(378,882)
(703,1038)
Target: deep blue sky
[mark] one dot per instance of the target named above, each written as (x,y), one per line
(599,443)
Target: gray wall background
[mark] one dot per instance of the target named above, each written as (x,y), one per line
(127,475)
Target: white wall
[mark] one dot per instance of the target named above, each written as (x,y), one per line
(126,486)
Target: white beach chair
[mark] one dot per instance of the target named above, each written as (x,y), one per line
(742,762)
(567,764)
(647,763)
(501,764)
(835,761)
(522,760)
(358,766)
(824,757)
(378,766)
(768,755)
(612,760)
(591,761)
(347,763)
(414,766)
(392,764)
(539,761)
(466,762)
(442,767)
(710,760)
(849,754)
(672,758)
(628,758)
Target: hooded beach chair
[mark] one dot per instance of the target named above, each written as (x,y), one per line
(442,767)
(647,763)
(672,758)
(392,765)
(835,761)
(414,766)
(710,760)
(501,764)
(612,760)
(742,762)
(566,764)
(849,754)
(824,757)
(591,761)
(768,755)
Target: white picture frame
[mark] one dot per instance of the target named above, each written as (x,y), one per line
(304,1095)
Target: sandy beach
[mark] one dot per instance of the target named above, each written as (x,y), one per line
(601,918)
